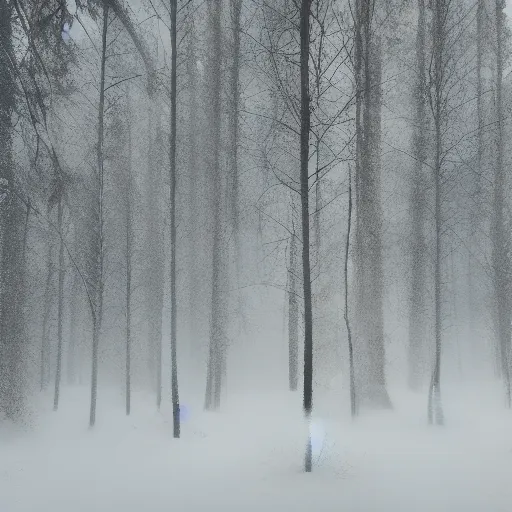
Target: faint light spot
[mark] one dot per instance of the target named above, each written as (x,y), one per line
(65,32)
(317,434)
(184,413)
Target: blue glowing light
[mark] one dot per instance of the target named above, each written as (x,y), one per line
(184,412)
(317,436)
(65,32)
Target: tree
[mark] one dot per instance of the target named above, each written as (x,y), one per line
(293,311)
(58,197)
(346,316)
(217,346)
(304,197)
(437,104)
(99,255)
(12,335)
(235,11)
(500,240)
(368,243)
(417,328)
(172,191)
(155,276)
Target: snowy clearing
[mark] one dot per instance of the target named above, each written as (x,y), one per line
(249,457)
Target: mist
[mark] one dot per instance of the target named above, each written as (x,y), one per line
(255,255)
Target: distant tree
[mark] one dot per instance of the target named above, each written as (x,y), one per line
(500,238)
(217,346)
(417,327)
(368,227)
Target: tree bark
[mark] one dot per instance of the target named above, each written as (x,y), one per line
(293,314)
(352,377)
(217,327)
(97,310)
(435,410)
(417,327)
(370,316)
(129,197)
(47,307)
(60,314)
(236,8)
(305,115)
(156,256)
(75,316)
(194,184)
(12,220)
(500,259)
(172,191)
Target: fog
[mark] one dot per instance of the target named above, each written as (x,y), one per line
(255,255)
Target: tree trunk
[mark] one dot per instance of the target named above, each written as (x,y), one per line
(60,314)
(435,410)
(476,205)
(194,183)
(155,252)
(47,308)
(304,196)
(352,384)
(172,176)
(75,315)
(129,244)
(293,314)
(500,259)
(236,8)
(217,324)
(129,197)
(368,71)
(417,326)
(12,217)
(98,306)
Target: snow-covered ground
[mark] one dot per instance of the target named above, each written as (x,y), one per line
(248,457)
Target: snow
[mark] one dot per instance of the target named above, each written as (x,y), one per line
(248,456)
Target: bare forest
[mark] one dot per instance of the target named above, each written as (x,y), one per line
(244,240)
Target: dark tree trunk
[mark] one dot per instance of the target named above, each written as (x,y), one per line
(172,176)
(500,245)
(352,377)
(305,115)
(12,220)
(236,8)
